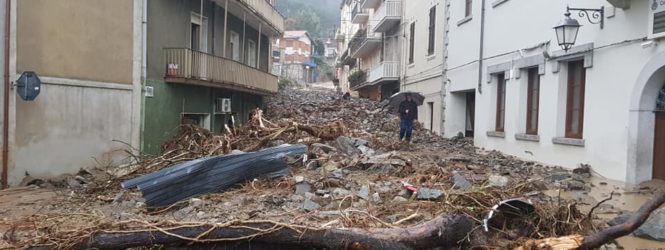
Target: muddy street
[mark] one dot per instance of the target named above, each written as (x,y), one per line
(356,174)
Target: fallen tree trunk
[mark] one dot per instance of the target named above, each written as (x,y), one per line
(444,231)
(603,237)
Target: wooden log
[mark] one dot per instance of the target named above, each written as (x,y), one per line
(604,236)
(444,231)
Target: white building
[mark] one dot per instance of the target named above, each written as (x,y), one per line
(375,45)
(345,64)
(423,60)
(522,94)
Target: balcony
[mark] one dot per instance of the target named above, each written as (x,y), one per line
(370,4)
(364,43)
(388,15)
(198,68)
(266,11)
(386,71)
(359,15)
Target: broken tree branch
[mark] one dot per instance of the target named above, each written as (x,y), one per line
(634,222)
(603,237)
(444,231)
(598,205)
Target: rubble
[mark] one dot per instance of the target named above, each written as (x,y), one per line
(351,178)
(653,228)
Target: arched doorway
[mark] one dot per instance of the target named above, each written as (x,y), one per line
(646,148)
(659,137)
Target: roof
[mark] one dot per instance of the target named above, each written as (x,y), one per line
(296,34)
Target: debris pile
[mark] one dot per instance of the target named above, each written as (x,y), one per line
(356,177)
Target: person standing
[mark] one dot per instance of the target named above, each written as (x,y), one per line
(408,112)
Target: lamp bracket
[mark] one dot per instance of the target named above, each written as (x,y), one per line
(595,16)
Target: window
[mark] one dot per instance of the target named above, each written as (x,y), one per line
(500,103)
(197,119)
(432,30)
(195,41)
(430,105)
(467,7)
(235,46)
(575,99)
(532,102)
(251,53)
(412,40)
(383,48)
(660,102)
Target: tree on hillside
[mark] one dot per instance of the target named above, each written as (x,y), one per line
(305,19)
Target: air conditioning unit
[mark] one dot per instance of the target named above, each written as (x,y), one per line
(223,106)
(656,19)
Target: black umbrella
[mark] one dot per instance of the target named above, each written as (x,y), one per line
(396,99)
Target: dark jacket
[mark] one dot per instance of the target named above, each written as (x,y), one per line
(412,108)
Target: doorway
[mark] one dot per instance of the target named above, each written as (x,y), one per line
(470,114)
(430,106)
(659,146)
(659,138)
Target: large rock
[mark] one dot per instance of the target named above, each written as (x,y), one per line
(429,194)
(363,193)
(498,181)
(653,228)
(461,182)
(322,148)
(346,145)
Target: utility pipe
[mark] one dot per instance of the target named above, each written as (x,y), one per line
(5,100)
(482,45)
(226,18)
(144,66)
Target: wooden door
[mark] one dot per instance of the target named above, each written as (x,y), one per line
(659,147)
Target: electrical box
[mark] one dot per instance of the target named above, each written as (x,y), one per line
(28,86)
(656,19)
(223,106)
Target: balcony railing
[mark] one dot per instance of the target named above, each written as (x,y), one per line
(364,42)
(385,71)
(359,15)
(369,4)
(269,12)
(388,15)
(190,66)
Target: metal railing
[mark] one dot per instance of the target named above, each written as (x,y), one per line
(186,63)
(361,39)
(268,11)
(384,70)
(390,8)
(358,11)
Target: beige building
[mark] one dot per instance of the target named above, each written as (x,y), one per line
(296,45)
(88,110)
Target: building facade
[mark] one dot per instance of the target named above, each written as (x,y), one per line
(376,45)
(208,64)
(88,57)
(599,103)
(346,65)
(297,65)
(423,28)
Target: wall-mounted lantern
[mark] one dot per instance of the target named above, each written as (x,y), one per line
(566,31)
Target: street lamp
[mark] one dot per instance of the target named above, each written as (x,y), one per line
(566,31)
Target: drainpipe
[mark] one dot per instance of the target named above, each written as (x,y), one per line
(5,100)
(226,19)
(444,73)
(482,43)
(144,66)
